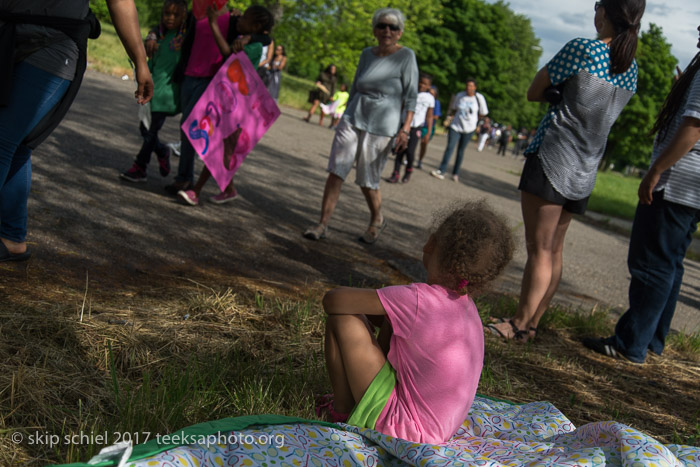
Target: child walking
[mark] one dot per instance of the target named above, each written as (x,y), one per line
(256,20)
(423,116)
(336,109)
(418,378)
(166,94)
(201,59)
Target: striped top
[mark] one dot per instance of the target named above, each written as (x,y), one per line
(681,182)
(571,138)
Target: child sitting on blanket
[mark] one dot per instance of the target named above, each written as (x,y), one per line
(418,378)
(256,20)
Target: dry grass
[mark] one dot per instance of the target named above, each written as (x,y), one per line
(155,359)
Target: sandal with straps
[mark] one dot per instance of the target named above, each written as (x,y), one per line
(519,335)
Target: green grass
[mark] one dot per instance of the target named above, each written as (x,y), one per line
(294,91)
(107,55)
(615,195)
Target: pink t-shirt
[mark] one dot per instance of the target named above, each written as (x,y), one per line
(206,59)
(437,350)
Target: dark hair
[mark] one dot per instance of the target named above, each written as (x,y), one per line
(427,76)
(284,52)
(674,99)
(182,3)
(328,69)
(474,244)
(471,80)
(179,37)
(262,16)
(626,18)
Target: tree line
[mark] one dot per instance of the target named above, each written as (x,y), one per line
(455,40)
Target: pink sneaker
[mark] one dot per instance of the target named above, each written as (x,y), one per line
(223,197)
(189,197)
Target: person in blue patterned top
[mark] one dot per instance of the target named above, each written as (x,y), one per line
(594,79)
(667,216)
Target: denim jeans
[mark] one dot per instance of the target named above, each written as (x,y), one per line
(453,137)
(190,92)
(150,140)
(661,234)
(34,93)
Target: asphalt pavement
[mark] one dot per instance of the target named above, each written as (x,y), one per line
(83,217)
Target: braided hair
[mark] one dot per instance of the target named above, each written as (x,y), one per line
(674,99)
(625,17)
(176,42)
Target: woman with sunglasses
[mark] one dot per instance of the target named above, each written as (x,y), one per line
(588,83)
(386,78)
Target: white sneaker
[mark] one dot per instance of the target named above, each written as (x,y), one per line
(175,148)
(438,174)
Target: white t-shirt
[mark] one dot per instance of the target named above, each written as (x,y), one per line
(424,101)
(468,109)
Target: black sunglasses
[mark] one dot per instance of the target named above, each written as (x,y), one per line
(393,27)
(597,5)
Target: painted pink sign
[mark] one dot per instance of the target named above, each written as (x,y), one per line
(229,119)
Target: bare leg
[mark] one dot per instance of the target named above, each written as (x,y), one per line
(203,178)
(423,149)
(542,221)
(374,202)
(557,262)
(331,193)
(353,359)
(320,118)
(312,109)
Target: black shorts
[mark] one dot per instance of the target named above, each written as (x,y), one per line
(534,181)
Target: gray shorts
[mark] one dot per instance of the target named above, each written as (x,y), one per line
(369,151)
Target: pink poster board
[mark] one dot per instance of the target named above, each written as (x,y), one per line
(229,119)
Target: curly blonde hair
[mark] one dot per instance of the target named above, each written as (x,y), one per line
(474,244)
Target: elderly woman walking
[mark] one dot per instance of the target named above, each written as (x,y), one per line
(386,78)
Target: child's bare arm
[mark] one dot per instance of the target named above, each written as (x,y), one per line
(428,124)
(213,14)
(352,301)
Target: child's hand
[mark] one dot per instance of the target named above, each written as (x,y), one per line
(151,47)
(240,42)
(236,12)
(212,14)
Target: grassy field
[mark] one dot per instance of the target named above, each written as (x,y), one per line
(156,360)
(615,195)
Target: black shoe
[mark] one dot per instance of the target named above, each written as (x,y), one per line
(605,347)
(135,174)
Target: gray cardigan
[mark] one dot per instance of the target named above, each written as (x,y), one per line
(380,87)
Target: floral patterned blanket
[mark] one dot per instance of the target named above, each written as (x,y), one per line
(495,433)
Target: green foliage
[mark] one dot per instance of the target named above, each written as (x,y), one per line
(149,11)
(452,39)
(490,43)
(629,142)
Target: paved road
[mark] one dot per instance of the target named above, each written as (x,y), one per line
(82,217)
